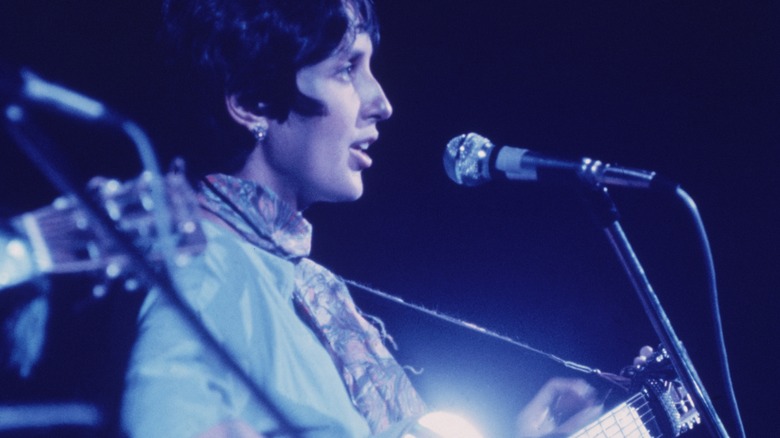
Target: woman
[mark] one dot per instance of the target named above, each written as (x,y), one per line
(294,107)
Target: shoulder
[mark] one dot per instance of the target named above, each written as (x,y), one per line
(230,287)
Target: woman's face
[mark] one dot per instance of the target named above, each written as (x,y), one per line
(321,158)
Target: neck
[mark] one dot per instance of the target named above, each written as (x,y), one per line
(257,169)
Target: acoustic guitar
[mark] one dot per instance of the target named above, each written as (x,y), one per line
(62,238)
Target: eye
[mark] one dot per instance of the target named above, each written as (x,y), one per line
(346,71)
(351,66)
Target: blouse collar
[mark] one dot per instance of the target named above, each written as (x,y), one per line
(257,214)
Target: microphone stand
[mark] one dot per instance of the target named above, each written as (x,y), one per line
(606,216)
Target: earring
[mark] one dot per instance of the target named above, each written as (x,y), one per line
(259,133)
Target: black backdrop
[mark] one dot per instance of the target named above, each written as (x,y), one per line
(689,89)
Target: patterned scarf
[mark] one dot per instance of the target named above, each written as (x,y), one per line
(378,386)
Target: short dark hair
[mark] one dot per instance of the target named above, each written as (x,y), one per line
(252,49)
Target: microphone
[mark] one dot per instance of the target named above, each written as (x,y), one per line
(471,160)
(32,88)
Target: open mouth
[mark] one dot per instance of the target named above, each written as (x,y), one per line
(359,151)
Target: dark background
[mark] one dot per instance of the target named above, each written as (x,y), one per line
(686,88)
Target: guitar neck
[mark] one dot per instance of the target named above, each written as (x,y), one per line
(62,237)
(633,418)
(62,240)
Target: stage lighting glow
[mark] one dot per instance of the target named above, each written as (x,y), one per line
(443,424)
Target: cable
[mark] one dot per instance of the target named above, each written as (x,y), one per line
(713,295)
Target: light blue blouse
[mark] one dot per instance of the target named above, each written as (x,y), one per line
(175,386)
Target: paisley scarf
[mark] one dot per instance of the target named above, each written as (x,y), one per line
(377,385)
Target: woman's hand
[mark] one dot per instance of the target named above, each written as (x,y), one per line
(561,407)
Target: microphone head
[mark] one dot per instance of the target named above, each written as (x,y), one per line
(467,159)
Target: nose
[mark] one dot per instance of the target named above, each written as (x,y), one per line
(377,106)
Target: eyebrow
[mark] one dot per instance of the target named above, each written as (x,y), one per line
(351,55)
(350,51)
(356,53)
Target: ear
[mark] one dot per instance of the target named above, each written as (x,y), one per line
(243,116)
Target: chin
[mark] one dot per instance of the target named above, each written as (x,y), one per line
(353,187)
(344,194)
(354,196)
(354,193)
